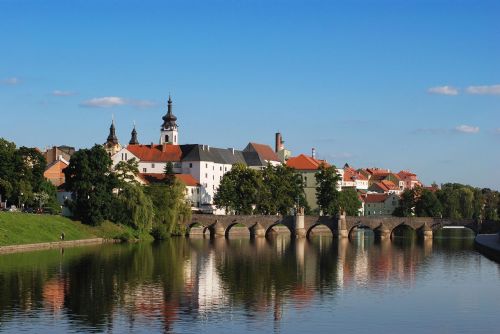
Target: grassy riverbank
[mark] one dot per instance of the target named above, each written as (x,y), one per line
(24,228)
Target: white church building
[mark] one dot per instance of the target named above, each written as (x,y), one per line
(200,167)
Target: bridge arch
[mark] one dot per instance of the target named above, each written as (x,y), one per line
(269,228)
(402,228)
(313,226)
(227,231)
(359,225)
(196,224)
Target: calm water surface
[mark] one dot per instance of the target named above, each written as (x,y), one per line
(239,285)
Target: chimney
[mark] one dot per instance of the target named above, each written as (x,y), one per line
(208,148)
(152,145)
(313,153)
(278,142)
(164,147)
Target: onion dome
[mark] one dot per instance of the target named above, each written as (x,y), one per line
(169,120)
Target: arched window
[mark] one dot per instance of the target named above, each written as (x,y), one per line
(166,138)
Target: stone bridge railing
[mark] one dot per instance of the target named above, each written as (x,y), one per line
(301,226)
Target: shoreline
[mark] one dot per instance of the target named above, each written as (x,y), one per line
(50,245)
(488,245)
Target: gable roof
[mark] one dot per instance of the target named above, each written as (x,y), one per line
(404,173)
(350,174)
(265,152)
(375,198)
(304,162)
(156,153)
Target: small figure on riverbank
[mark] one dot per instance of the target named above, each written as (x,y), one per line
(62,236)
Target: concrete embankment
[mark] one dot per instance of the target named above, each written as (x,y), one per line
(48,245)
(489,245)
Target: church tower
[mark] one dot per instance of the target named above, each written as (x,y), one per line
(112,145)
(133,138)
(169,131)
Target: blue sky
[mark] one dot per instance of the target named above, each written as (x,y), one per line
(395,84)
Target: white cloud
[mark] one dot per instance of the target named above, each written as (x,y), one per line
(467,129)
(483,90)
(104,102)
(11,81)
(114,101)
(62,93)
(443,90)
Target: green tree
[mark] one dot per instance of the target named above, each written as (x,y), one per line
(407,204)
(349,201)
(7,169)
(280,190)
(169,174)
(126,171)
(134,208)
(428,205)
(238,190)
(491,204)
(466,195)
(88,177)
(170,209)
(327,195)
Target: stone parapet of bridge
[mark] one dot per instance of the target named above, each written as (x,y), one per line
(299,226)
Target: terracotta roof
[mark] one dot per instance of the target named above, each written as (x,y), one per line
(389,185)
(156,153)
(187,179)
(405,173)
(375,198)
(264,151)
(351,175)
(304,162)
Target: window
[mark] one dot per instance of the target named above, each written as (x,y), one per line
(206,165)
(197,190)
(192,190)
(206,176)
(213,187)
(221,168)
(144,170)
(213,177)
(126,157)
(152,165)
(175,139)
(225,169)
(166,138)
(190,165)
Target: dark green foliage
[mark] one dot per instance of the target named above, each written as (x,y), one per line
(428,205)
(349,201)
(170,209)
(327,195)
(453,200)
(126,171)
(407,204)
(238,190)
(21,175)
(280,190)
(88,177)
(133,208)
(169,174)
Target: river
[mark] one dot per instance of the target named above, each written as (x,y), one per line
(278,285)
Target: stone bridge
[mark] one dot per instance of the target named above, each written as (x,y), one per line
(301,226)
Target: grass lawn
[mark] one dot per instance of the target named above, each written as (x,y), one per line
(24,228)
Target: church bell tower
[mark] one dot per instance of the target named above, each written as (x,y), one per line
(169,133)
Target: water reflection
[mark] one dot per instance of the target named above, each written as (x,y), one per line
(181,283)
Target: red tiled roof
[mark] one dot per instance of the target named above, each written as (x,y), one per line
(405,173)
(389,185)
(375,198)
(351,175)
(265,151)
(156,153)
(303,162)
(187,179)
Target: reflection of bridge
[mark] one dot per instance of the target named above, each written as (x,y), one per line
(300,226)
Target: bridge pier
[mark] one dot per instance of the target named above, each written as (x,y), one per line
(218,231)
(383,232)
(257,231)
(426,232)
(299,230)
(342,227)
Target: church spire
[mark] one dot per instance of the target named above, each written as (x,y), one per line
(112,139)
(169,120)
(133,139)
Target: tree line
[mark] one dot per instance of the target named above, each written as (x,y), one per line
(100,193)
(21,178)
(453,200)
(280,190)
